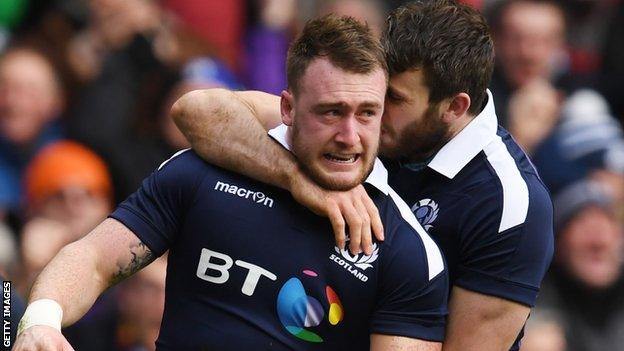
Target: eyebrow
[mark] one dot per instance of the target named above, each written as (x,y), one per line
(340,105)
(393,90)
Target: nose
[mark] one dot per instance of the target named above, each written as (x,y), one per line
(347,133)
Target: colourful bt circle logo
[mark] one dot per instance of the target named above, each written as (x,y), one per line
(297,311)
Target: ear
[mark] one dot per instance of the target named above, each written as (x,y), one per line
(457,107)
(286,107)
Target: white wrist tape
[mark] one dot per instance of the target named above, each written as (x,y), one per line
(42,312)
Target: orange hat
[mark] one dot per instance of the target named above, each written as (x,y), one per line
(63,164)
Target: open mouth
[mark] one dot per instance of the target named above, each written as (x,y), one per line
(339,158)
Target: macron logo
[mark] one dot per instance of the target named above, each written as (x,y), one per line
(255,196)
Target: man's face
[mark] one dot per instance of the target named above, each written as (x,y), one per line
(335,123)
(29,96)
(411,127)
(530,39)
(591,248)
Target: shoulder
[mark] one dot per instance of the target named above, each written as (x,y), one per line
(405,236)
(186,158)
(514,188)
(186,166)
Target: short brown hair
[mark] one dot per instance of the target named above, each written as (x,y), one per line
(451,42)
(347,43)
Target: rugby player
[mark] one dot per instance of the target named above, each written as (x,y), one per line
(464,177)
(248,267)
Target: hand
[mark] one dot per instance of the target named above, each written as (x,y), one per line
(352,208)
(41,338)
(533,112)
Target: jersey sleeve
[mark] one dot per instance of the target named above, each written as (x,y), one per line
(511,263)
(156,210)
(410,303)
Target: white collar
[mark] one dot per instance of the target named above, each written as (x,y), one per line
(377,178)
(471,140)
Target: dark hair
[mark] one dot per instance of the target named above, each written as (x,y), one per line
(449,41)
(347,43)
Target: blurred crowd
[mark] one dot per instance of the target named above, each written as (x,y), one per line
(86,85)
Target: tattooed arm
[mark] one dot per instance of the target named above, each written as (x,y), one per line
(81,271)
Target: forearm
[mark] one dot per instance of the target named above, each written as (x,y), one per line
(223,128)
(81,271)
(71,280)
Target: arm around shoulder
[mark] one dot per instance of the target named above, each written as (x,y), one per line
(228,129)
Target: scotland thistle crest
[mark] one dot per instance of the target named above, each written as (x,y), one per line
(426,211)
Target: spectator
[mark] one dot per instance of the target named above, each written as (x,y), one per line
(588,143)
(530,39)
(268,35)
(31,101)
(141,307)
(543,332)
(586,283)
(112,26)
(371,12)
(117,112)
(591,20)
(68,192)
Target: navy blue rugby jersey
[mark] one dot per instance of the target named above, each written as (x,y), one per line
(483,202)
(250,269)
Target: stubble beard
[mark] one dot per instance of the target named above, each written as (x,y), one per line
(420,139)
(307,160)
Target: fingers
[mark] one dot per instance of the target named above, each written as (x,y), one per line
(353,209)
(366,240)
(337,222)
(373,214)
(41,338)
(354,221)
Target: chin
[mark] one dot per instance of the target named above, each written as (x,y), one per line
(388,152)
(336,181)
(600,278)
(339,182)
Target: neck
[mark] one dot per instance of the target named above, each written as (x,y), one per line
(422,157)
(417,165)
(459,124)
(455,128)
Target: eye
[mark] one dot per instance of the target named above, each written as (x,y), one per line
(393,97)
(369,113)
(332,113)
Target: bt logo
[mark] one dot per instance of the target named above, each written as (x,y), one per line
(220,271)
(297,310)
